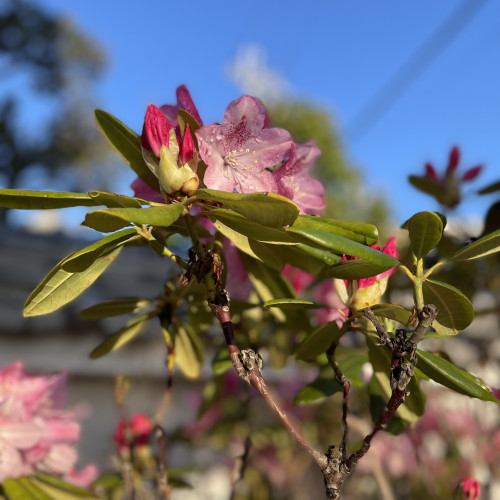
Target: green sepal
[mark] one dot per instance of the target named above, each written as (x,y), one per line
(425,230)
(455,309)
(446,373)
(25,199)
(127,144)
(60,287)
(116,308)
(111,219)
(123,336)
(367,234)
(318,341)
(267,209)
(342,245)
(480,248)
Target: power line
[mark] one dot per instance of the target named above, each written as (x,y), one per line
(412,68)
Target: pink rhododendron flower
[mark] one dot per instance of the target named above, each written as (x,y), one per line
(294,182)
(298,278)
(185,102)
(325,293)
(35,430)
(239,151)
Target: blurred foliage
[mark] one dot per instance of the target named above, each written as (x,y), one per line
(342,180)
(59,65)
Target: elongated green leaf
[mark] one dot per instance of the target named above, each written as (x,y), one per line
(267,209)
(15,489)
(117,307)
(60,287)
(414,405)
(391,311)
(446,373)
(345,246)
(188,351)
(112,200)
(292,304)
(123,336)
(325,385)
(427,186)
(354,269)
(318,341)
(455,309)
(58,486)
(367,234)
(126,143)
(480,248)
(40,200)
(84,258)
(490,188)
(111,219)
(425,230)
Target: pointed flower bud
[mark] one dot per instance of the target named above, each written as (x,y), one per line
(472,173)
(453,160)
(431,174)
(155,131)
(468,489)
(187,146)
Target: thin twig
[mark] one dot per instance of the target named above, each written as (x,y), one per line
(163,486)
(240,465)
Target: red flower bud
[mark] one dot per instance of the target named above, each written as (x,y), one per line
(472,173)
(453,160)
(155,131)
(470,488)
(187,146)
(431,174)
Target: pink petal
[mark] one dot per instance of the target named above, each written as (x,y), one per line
(11,463)
(22,435)
(185,101)
(82,478)
(187,146)
(237,281)
(472,173)
(298,278)
(453,160)
(431,174)
(60,459)
(145,191)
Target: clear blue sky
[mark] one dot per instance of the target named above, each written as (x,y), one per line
(335,53)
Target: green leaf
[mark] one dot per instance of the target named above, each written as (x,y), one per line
(367,234)
(123,336)
(414,405)
(391,311)
(267,209)
(112,200)
(354,270)
(345,246)
(425,231)
(351,362)
(490,188)
(58,485)
(446,373)
(40,200)
(427,186)
(127,144)
(221,362)
(480,248)
(60,287)
(291,304)
(116,308)
(111,219)
(318,341)
(84,258)
(455,309)
(188,351)
(19,489)
(325,385)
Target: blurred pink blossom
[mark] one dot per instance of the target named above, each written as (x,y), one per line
(35,430)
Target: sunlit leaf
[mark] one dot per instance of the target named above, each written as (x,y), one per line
(188,351)
(366,234)
(480,248)
(291,304)
(354,270)
(325,385)
(116,308)
(391,311)
(19,489)
(57,488)
(123,336)
(40,200)
(455,309)
(126,143)
(267,209)
(425,230)
(345,246)
(111,219)
(112,200)
(60,287)
(446,373)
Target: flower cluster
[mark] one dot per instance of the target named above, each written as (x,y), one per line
(242,154)
(36,433)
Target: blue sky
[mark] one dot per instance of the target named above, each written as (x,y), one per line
(334,53)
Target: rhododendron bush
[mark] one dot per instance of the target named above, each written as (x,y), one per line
(259,281)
